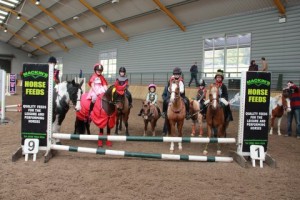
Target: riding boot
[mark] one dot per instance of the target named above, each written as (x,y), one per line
(140,113)
(158,110)
(229,114)
(129,98)
(187,109)
(90,110)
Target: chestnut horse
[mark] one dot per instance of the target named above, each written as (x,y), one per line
(278,105)
(196,116)
(103,114)
(150,115)
(176,113)
(215,115)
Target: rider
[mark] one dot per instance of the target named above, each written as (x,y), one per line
(98,85)
(152,98)
(122,81)
(219,77)
(177,75)
(201,94)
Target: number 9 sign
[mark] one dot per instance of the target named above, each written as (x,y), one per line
(31,146)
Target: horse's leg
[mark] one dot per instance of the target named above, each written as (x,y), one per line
(87,127)
(200,117)
(209,130)
(108,143)
(153,125)
(172,132)
(145,126)
(221,133)
(120,122)
(126,128)
(193,128)
(272,125)
(117,125)
(100,142)
(278,125)
(179,128)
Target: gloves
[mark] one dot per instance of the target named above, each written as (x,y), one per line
(224,101)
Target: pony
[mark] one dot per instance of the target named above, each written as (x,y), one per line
(103,114)
(215,118)
(149,114)
(278,106)
(123,111)
(65,93)
(176,113)
(196,116)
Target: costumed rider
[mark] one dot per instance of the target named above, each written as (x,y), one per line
(98,86)
(201,94)
(223,95)
(122,83)
(177,75)
(152,98)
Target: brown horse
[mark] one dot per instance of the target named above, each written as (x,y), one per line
(176,113)
(278,106)
(196,116)
(215,115)
(123,111)
(150,115)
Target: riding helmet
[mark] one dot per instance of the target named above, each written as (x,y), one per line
(98,67)
(52,60)
(202,82)
(122,69)
(177,71)
(152,85)
(219,73)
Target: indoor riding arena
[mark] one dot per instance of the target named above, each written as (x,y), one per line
(51,51)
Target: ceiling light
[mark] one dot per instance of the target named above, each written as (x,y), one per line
(34,37)
(75,17)
(19,16)
(37,2)
(5,30)
(7,3)
(51,28)
(102,29)
(14,1)
(115,1)
(3,12)
(1,21)
(2,17)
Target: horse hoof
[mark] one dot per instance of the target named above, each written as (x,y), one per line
(200,135)
(192,134)
(218,152)
(171,151)
(205,152)
(279,134)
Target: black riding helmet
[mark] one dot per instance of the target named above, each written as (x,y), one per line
(122,69)
(98,67)
(177,71)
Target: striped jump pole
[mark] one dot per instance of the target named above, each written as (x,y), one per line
(142,155)
(64,136)
(13,106)
(13,110)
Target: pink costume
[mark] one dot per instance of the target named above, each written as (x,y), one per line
(98,86)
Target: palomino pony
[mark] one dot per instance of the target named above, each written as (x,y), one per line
(103,114)
(176,113)
(196,116)
(278,105)
(215,118)
(65,93)
(150,115)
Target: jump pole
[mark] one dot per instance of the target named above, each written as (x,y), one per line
(64,136)
(141,155)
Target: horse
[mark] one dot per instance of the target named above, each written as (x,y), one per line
(278,106)
(215,118)
(65,93)
(196,116)
(123,111)
(103,114)
(176,113)
(149,114)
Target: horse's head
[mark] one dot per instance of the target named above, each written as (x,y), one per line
(214,95)
(285,99)
(74,90)
(174,89)
(118,98)
(146,109)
